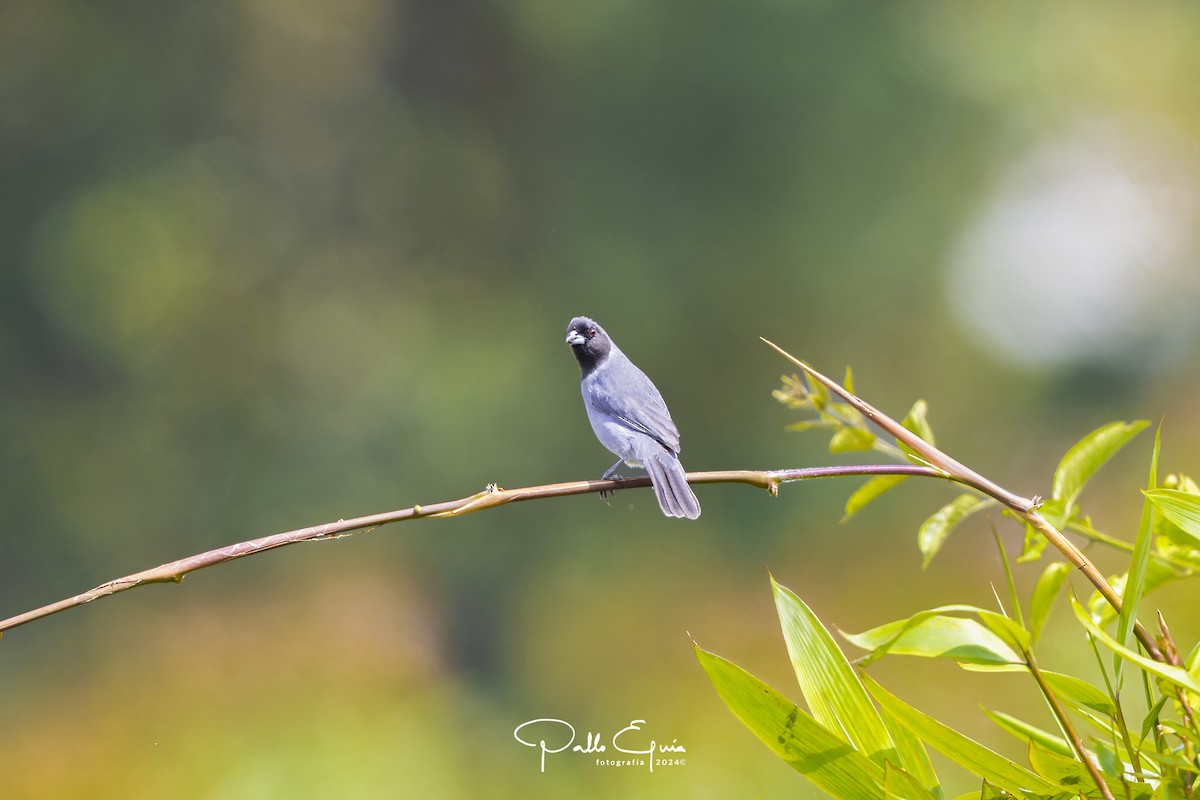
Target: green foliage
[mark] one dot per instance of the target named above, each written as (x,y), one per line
(935,530)
(1087,456)
(1153,756)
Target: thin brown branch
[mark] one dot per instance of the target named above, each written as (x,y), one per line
(1023,507)
(490,497)
(1060,714)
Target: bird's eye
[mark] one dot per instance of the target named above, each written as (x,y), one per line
(591,333)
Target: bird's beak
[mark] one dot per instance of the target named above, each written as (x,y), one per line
(574,338)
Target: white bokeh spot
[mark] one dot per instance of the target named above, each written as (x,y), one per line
(1086,252)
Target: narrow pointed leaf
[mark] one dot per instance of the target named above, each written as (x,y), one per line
(933,633)
(1171,674)
(1158,573)
(849,440)
(1030,733)
(1033,547)
(808,425)
(830,685)
(917,421)
(1044,594)
(1109,760)
(1181,508)
(1013,598)
(1135,583)
(1152,716)
(1078,693)
(899,785)
(977,759)
(824,758)
(1088,455)
(913,756)
(964,640)
(1009,630)
(870,491)
(934,530)
(1063,770)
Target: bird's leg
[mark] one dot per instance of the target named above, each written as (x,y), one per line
(611,473)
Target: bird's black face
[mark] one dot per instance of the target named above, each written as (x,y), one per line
(589,342)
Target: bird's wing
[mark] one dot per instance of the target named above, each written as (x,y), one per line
(629,396)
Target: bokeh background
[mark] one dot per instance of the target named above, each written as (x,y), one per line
(268,264)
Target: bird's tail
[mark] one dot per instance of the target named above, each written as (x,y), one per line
(675,496)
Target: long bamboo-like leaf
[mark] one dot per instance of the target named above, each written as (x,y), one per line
(913,756)
(1027,733)
(830,685)
(1044,594)
(979,760)
(899,785)
(1078,693)
(821,756)
(1181,508)
(935,634)
(1135,583)
(869,492)
(850,440)
(1171,674)
(1088,455)
(935,530)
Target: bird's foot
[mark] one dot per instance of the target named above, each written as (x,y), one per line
(610,475)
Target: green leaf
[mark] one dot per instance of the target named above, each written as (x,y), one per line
(1013,634)
(899,785)
(1035,543)
(1013,598)
(935,634)
(1182,731)
(849,415)
(825,759)
(1044,594)
(1171,789)
(1171,674)
(830,685)
(977,759)
(1170,540)
(934,530)
(1027,733)
(913,756)
(869,491)
(1152,716)
(1078,693)
(1088,455)
(1181,508)
(1063,770)
(917,421)
(1135,584)
(1158,573)
(848,381)
(1108,759)
(849,440)
(808,425)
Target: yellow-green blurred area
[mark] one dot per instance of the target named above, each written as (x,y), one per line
(270,264)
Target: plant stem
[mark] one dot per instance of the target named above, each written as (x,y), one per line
(492,496)
(1064,722)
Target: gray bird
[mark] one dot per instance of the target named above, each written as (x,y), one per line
(629,416)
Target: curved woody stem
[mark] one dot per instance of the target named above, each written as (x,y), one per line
(174,571)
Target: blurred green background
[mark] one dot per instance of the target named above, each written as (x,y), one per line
(268,264)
